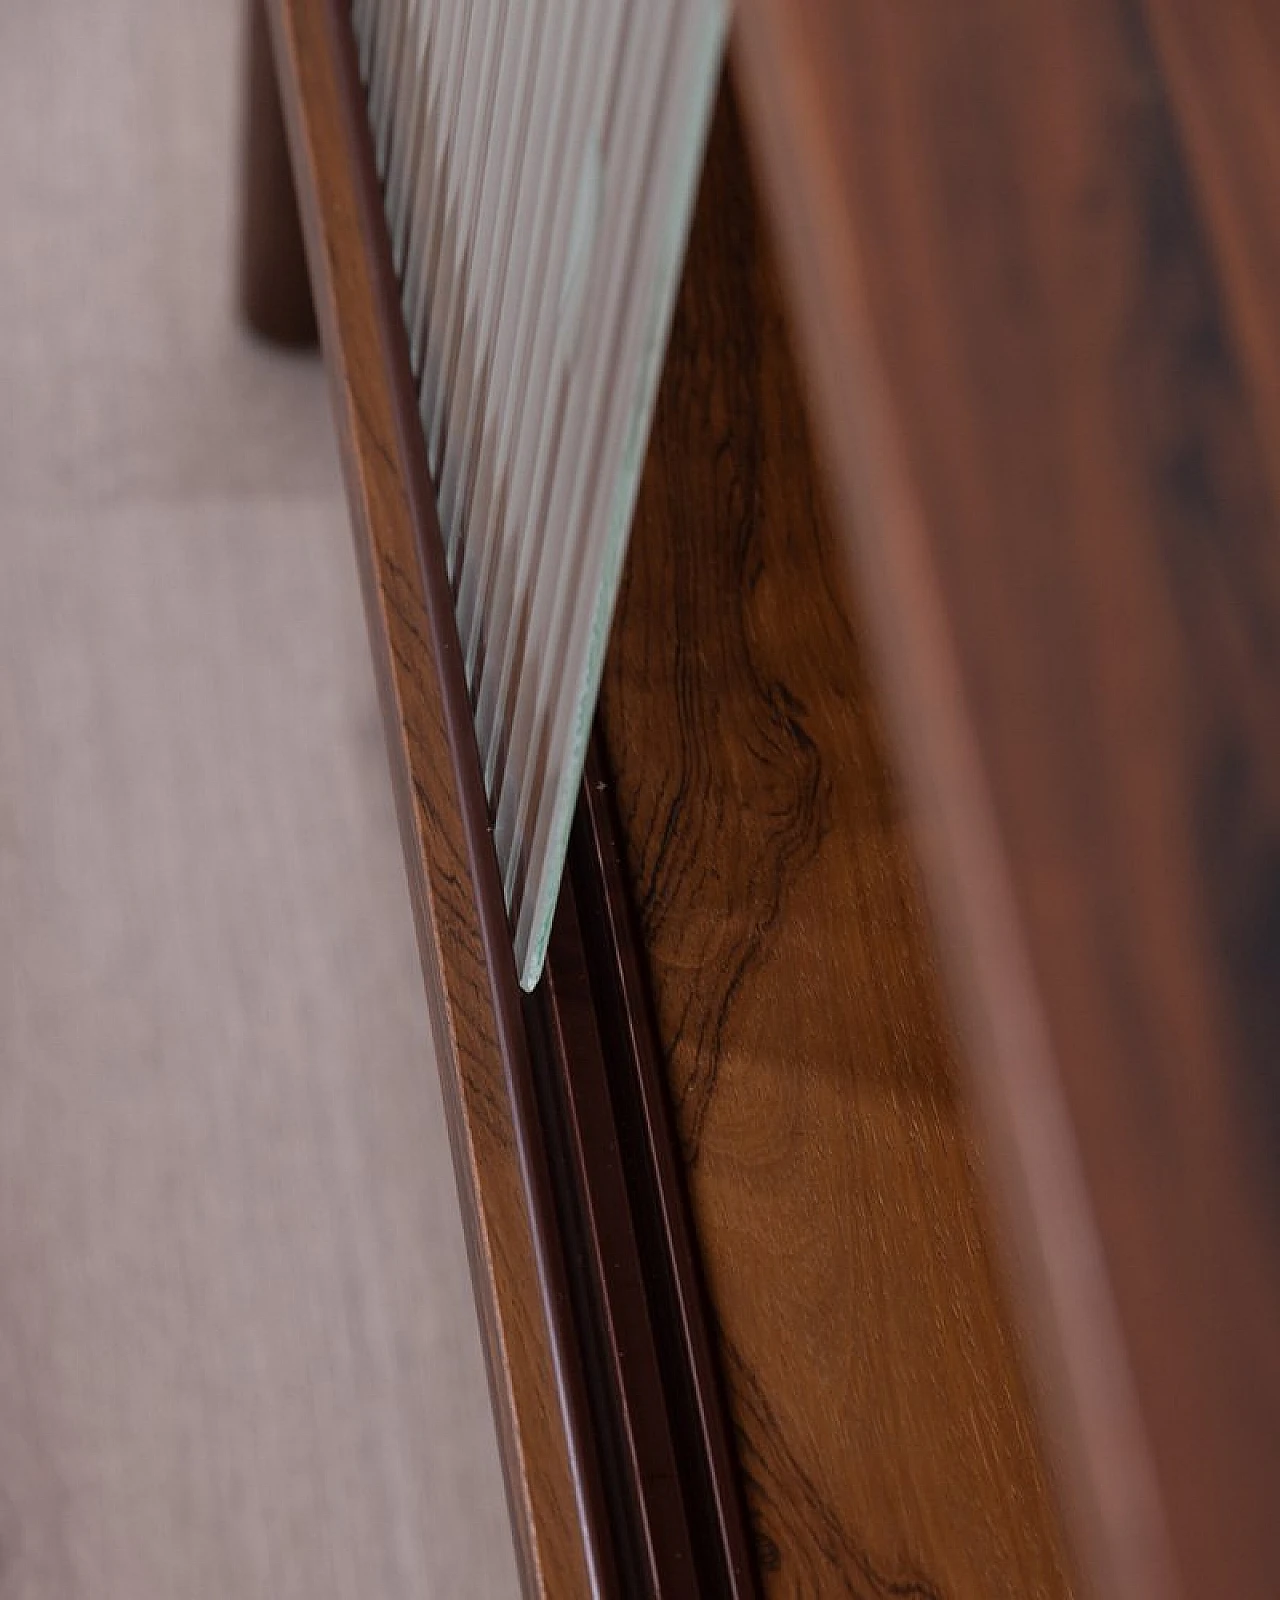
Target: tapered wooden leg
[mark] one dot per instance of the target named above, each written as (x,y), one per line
(275,295)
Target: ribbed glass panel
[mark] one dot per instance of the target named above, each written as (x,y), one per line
(539,160)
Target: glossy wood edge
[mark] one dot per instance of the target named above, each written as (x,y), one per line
(539,1396)
(644,1430)
(1048,1227)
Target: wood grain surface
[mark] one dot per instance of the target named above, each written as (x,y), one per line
(1034,253)
(389,505)
(883,1427)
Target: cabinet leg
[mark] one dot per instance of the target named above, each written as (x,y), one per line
(275,295)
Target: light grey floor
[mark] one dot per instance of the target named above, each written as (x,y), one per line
(238,1356)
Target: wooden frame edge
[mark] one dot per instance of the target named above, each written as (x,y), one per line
(557,1506)
(628,1483)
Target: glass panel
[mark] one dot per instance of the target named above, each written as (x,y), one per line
(540,159)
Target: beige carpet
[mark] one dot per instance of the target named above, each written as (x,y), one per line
(238,1355)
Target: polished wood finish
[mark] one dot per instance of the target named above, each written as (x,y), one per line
(1033,255)
(883,1426)
(275,294)
(467,959)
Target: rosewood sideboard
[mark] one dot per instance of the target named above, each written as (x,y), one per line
(880,1193)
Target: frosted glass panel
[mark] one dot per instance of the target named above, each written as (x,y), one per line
(539,160)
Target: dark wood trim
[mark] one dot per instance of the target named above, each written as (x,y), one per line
(668,1415)
(624,1011)
(275,293)
(640,1421)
